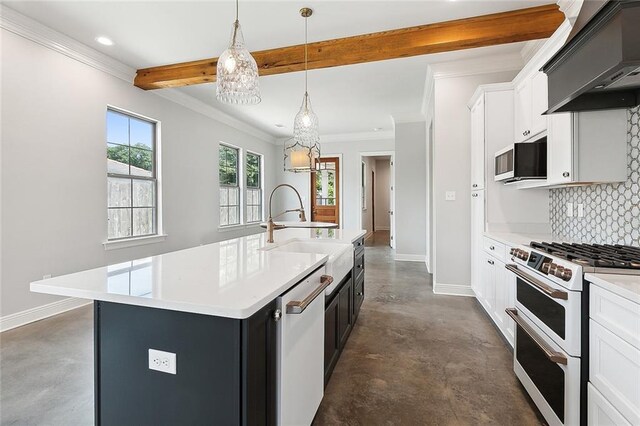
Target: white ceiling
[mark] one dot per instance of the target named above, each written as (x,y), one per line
(347,99)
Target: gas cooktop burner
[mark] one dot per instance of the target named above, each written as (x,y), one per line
(596,255)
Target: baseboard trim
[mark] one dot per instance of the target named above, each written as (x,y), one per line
(382,228)
(18,319)
(369,235)
(409,257)
(453,290)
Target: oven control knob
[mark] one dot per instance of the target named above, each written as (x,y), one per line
(545,268)
(565,275)
(512,251)
(524,255)
(551,269)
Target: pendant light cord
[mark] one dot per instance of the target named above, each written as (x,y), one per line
(236,24)
(306,57)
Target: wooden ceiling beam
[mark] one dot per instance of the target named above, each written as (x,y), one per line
(487,30)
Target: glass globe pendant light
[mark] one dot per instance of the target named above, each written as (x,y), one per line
(303,155)
(237,72)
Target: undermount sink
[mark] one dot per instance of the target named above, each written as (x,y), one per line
(338,265)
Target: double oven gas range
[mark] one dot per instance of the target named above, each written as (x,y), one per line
(551,313)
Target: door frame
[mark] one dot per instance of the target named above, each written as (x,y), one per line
(338,197)
(392,192)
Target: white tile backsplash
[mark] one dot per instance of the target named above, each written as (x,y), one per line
(611,211)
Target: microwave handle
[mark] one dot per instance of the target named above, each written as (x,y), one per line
(554,356)
(548,290)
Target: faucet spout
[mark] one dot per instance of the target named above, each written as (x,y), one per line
(270,224)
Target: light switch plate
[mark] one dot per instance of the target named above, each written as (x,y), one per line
(162,361)
(450,196)
(580,210)
(569,209)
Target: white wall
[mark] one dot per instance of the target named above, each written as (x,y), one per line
(382,194)
(350,152)
(53,169)
(451,172)
(410,195)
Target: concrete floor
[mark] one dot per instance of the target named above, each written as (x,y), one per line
(413,358)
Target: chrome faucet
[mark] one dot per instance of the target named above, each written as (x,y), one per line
(271,226)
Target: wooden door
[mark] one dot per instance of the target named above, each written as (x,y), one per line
(325,190)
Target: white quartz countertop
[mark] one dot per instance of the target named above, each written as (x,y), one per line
(627,286)
(233,278)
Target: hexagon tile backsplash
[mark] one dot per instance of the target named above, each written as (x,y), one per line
(612,211)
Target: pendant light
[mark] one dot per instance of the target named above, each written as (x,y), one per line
(303,154)
(237,71)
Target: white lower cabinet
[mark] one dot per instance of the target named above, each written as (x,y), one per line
(614,359)
(497,290)
(600,412)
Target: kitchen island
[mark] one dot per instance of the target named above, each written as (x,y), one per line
(213,313)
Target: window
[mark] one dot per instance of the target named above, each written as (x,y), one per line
(254,187)
(131,176)
(229,185)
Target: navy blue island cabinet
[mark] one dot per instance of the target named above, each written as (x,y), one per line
(226,368)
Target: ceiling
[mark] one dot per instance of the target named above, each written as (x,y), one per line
(356,98)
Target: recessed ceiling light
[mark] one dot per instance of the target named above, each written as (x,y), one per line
(377,129)
(279,125)
(104,40)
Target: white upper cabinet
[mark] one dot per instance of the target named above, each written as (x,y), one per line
(477,145)
(587,147)
(523,103)
(539,103)
(531,100)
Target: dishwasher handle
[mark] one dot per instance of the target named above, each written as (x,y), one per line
(298,306)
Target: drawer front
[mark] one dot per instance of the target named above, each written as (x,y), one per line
(358,265)
(494,248)
(616,314)
(358,244)
(601,412)
(358,295)
(614,370)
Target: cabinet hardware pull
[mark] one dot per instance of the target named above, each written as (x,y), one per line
(474,195)
(553,355)
(277,315)
(548,290)
(490,262)
(475,185)
(298,306)
(492,248)
(565,174)
(360,293)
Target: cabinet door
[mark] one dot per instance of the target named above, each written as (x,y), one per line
(539,103)
(510,325)
(560,148)
(477,230)
(522,99)
(345,311)
(489,281)
(331,341)
(477,145)
(358,297)
(500,304)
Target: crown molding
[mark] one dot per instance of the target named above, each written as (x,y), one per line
(475,66)
(357,136)
(570,8)
(33,30)
(485,88)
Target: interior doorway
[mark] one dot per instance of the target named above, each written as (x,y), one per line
(325,190)
(376,183)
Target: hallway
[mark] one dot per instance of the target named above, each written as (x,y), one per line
(416,358)
(413,358)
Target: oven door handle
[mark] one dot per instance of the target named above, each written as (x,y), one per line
(546,289)
(554,356)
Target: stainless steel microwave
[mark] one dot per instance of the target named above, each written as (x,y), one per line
(524,160)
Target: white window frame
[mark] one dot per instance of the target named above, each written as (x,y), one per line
(240,182)
(158,235)
(260,187)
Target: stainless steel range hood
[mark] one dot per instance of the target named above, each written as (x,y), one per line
(599,66)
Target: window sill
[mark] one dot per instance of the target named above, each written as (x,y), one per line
(133,242)
(228,228)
